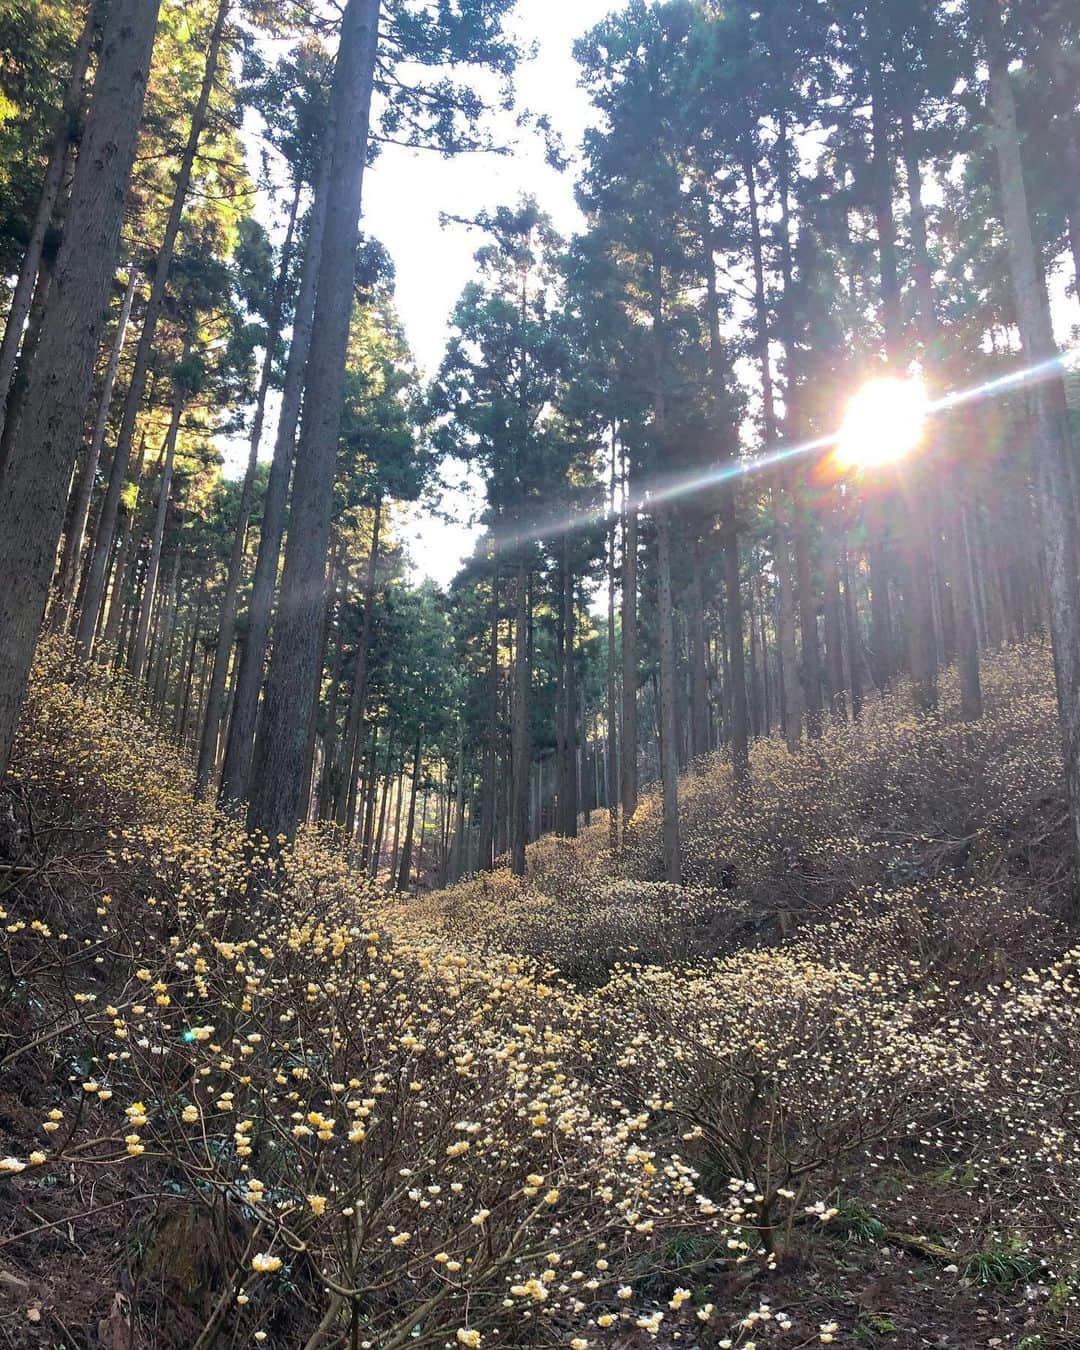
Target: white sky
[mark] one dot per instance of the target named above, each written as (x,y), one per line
(406,191)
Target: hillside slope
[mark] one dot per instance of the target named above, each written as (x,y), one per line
(254,1102)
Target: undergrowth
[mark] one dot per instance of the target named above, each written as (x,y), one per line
(249,1100)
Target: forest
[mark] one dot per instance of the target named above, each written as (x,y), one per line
(666,930)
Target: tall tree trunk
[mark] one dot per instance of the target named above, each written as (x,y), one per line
(230,595)
(567,728)
(669,750)
(239,749)
(669,756)
(967,649)
(346,783)
(1052,449)
(488,786)
(376,851)
(109,630)
(629,747)
(291,682)
(84,491)
(519,720)
(699,675)
(34,488)
(95,579)
(791,695)
(405,867)
(612,762)
(457,852)
(733,604)
(50,191)
(153,564)
(326,614)
(834,622)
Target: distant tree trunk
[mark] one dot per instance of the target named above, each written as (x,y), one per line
(834,622)
(93,594)
(699,675)
(567,731)
(34,488)
(405,867)
(1052,447)
(230,595)
(733,605)
(669,752)
(291,682)
(854,640)
(612,762)
(167,634)
(307,772)
(239,749)
(376,851)
(791,701)
(370,796)
(519,721)
(967,649)
(324,806)
(153,564)
(84,491)
(808,608)
(346,783)
(628,767)
(488,786)
(669,758)
(109,631)
(457,853)
(59,149)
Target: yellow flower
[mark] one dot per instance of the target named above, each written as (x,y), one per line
(467,1337)
(318,1204)
(265,1263)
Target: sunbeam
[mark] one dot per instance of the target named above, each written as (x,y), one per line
(868,404)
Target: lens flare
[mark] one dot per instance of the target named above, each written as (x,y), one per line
(883,423)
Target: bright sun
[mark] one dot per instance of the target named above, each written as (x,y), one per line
(883,423)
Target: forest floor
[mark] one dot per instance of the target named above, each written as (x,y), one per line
(821,1093)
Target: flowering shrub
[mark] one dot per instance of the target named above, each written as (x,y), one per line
(302,1113)
(362,1132)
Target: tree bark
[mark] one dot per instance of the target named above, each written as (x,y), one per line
(153,563)
(629,747)
(76,537)
(50,191)
(733,604)
(93,595)
(612,761)
(669,751)
(34,488)
(967,648)
(346,782)
(291,682)
(405,867)
(1052,449)
(230,595)
(519,721)
(791,694)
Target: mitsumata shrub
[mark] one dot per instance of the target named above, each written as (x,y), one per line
(578,1108)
